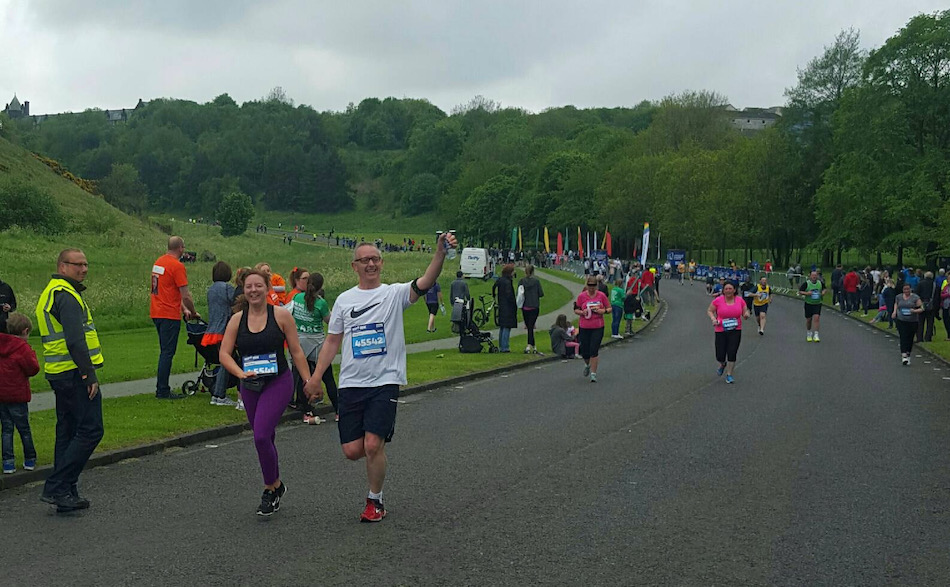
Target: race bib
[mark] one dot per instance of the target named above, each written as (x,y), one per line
(906,312)
(815,295)
(265,364)
(368,340)
(730,323)
(763,296)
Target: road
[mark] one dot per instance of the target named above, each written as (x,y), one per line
(825,464)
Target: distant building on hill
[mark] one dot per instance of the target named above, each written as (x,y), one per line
(15,110)
(751,120)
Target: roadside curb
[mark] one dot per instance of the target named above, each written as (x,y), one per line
(108,458)
(886,332)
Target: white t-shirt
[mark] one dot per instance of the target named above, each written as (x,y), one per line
(374,343)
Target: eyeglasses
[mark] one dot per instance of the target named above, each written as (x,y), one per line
(591,285)
(375,259)
(86,265)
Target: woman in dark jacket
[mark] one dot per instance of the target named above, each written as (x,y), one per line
(220,298)
(531,308)
(504,292)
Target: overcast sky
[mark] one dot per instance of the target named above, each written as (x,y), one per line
(66,55)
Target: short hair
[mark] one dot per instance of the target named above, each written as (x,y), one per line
(929,275)
(508,270)
(460,275)
(175,243)
(221,272)
(364,245)
(17,323)
(529,270)
(64,255)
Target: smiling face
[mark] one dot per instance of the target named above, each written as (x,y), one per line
(302,280)
(368,264)
(255,290)
(591,286)
(729,290)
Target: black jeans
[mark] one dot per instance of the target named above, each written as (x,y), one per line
(530,319)
(946,321)
(78,432)
(16,416)
(906,330)
(168,331)
(852,301)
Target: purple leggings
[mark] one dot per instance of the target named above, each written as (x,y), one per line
(264,410)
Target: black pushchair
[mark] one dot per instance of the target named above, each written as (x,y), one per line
(471,338)
(209,371)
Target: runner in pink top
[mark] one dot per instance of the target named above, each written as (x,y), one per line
(726,313)
(591,305)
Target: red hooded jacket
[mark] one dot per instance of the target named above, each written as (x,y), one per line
(17,364)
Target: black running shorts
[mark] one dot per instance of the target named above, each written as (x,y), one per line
(812,310)
(367,409)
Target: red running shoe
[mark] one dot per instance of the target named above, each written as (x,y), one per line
(374,512)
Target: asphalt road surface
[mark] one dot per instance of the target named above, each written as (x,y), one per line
(825,464)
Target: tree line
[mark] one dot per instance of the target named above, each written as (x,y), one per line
(859,159)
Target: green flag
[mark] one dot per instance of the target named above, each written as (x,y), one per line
(514,238)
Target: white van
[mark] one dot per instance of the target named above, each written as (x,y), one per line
(477,263)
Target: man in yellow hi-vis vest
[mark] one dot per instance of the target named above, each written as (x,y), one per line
(71,356)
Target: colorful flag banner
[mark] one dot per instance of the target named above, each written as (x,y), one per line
(646,243)
(520,247)
(547,241)
(580,243)
(514,238)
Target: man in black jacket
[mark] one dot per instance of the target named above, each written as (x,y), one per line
(837,293)
(929,295)
(7,304)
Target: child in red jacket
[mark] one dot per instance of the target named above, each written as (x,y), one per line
(17,364)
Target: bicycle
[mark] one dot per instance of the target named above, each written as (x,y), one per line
(480,315)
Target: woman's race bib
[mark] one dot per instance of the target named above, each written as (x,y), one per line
(906,312)
(730,323)
(265,364)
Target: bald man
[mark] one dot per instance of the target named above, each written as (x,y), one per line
(170,299)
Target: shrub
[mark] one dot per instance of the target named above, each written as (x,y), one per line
(26,206)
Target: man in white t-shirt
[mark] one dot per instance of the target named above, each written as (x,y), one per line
(367,322)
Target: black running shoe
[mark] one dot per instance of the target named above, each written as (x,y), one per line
(270,500)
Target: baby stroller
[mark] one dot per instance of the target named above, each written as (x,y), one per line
(471,339)
(209,371)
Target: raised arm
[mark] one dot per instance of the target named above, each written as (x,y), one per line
(431,275)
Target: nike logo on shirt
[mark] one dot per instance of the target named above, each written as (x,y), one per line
(357,313)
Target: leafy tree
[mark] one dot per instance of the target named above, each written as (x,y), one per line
(235,213)
(421,194)
(123,189)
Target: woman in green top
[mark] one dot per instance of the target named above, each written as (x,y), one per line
(311,312)
(617,294)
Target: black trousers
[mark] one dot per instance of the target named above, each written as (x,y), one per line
(925,328)
(906,330)
(78,432)
(946,321)
(727,345)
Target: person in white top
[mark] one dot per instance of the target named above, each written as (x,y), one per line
(367,322)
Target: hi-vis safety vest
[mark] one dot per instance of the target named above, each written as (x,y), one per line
(55,352)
